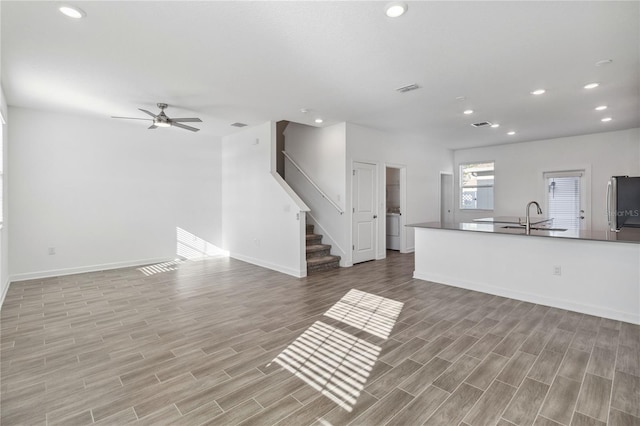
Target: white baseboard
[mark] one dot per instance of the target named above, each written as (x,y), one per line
(5,290)
(83,269)
(529,297)
(269,265)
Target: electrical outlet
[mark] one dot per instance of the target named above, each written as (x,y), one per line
(557,270)
(52,251)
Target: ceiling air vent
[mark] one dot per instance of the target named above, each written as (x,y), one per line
(482,124)
(239,125)
(409,88)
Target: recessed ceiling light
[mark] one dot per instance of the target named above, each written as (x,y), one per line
(601,108)
(72,11)
(591,85)
(607,119)
(538,92)
(468,111)
(319,120)
(603,62)
(395,9)
(494,125)
(511,133)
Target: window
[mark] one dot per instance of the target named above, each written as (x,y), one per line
(476,185)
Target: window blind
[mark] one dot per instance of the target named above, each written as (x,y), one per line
(563,200)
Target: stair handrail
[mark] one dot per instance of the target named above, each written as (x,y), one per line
(306,176)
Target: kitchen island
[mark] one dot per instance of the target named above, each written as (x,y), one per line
(593,272)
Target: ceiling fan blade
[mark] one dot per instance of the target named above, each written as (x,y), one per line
(133,118)
(193,120)
(182,126)
(153,126)
(147,112)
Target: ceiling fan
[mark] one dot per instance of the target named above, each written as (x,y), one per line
(161,119)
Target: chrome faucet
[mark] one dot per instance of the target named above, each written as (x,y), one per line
(527,225)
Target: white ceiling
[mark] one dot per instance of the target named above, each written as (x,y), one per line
(257,61)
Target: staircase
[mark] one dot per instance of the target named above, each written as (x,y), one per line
(318,255)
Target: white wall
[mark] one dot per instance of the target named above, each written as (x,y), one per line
(4,230)
(321,153)
(519,168)
(424,160)
(262,223)
(105,193)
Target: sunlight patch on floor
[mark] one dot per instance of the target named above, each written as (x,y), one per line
(334,362)
(374,314)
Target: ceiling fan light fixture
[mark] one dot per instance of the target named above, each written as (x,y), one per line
(72,11)
(395,9)
(162,124)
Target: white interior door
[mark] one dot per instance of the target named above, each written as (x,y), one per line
(446,198)
(365,214)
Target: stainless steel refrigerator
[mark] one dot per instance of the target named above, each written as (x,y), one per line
(623,202)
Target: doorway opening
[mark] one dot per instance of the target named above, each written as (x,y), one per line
(395,205)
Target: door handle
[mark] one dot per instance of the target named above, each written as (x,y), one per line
(375,216)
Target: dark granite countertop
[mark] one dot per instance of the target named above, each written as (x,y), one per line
(626,235)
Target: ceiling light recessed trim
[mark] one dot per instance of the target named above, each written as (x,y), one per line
(591,85)
(511,133)
(319,120)
(467,111)
(395,9)
(73,12)
(601,108)
(538,92)
(606,119)
(604,62)
(495,125)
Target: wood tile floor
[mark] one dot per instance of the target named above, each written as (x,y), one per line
(195,343)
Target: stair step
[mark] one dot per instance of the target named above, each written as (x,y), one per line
(318,250)
(310,229)
(323,263)
(313,239)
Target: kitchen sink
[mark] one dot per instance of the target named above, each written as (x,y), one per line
(534,228)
